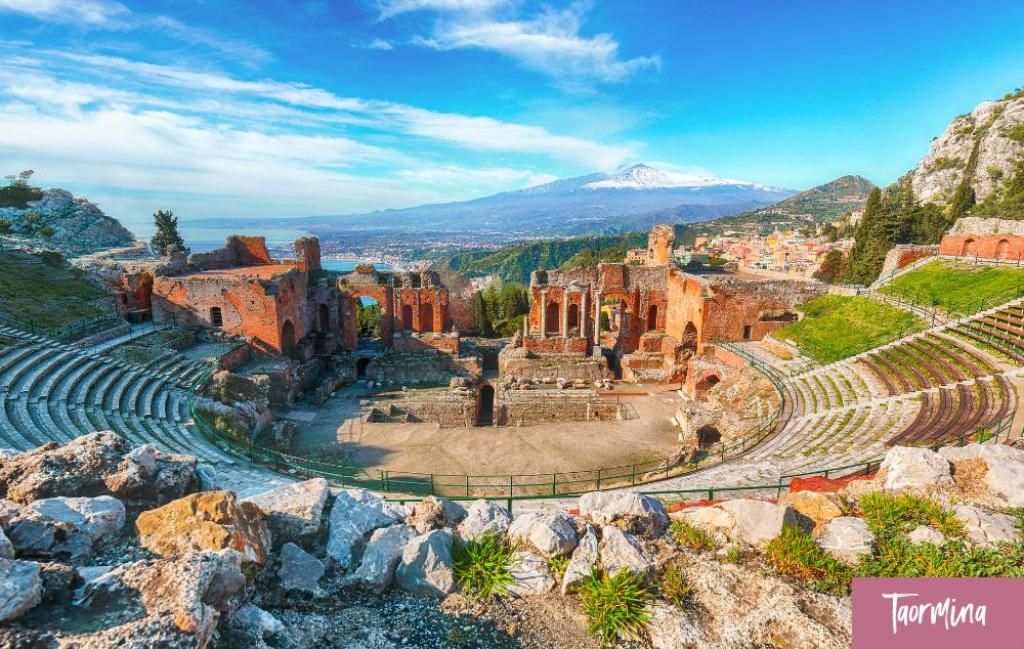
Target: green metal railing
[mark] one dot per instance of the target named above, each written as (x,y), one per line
(536,485)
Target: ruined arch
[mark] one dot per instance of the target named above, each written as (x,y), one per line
(1003,249)
(574,316)
(551,317)
(406,317)
(216,317)
(427,318)
(361,367)
(690,336)
(652,317)
(701,389)
(323,318)
(288,339)
(969,248)
(485,406)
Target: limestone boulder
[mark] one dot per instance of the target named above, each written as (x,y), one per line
(355,514)
(382,555)
(68,527)
(622,551)
(635,513)
(583,560)
(913,469)
(209,520)
(484,517)
(550,534)
(817,507)
(181,601)
(21,588)
(671,628)
(530,574)
(59,581)
(988,474)
(432,513)
(718,523)
(257,623)
(758,522)
(6,547)
(985,528)
(925,534)
(294,511)
(426,565)
(300,570)
(846,538)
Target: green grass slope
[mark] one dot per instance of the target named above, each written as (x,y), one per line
(45,292)
(835,327)
(957,288)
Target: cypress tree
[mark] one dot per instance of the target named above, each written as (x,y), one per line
(166,239)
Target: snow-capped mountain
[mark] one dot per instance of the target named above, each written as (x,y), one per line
(596,203)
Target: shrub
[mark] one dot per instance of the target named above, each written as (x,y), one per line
(887,514)
(614,606)
(47,231)
(896,556)
(483,566)
(795,554)
(692,537)
(995,173)
(1016,133)
(5,226)
(673,585)
(943,163)
(734,554)
(557,565)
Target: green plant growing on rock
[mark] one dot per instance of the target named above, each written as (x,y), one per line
(689,536)
(886,514)
(483,566)
(47,231)
(794,554)
(673,585)
(615,606)
(558,565)
(734,555)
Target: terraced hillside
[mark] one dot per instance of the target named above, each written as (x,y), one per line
(956,288)
(51,391)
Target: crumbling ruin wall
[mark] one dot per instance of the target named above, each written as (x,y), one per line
(446,408)
(556,345)
(903,255)
(410,302)
(428,343)
(396,368)
(237,251)
(742,309)
(535,406)
(307,254)
(660,244)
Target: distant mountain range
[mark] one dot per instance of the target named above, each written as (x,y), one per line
(593,204)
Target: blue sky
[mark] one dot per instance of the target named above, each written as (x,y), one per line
(289,108)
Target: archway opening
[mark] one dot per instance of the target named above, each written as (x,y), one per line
(216,317)
(368,317)
(701,389)
(288,339)
(574,317)
(551,317)
(968,248)
(323,318)
(652,317)
(1003,249)
(708,436)
(406,317)
(427,318)
(361,367)
(485,406)
(689,340)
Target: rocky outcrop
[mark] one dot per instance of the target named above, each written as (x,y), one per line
(484,517)
(431,513)
(211,520)
(300,570)
(622,551)
(751,523)
(294,512)
(913,469)
(98,464)
(426,566)
(818,507)
(550,534)
(846,538)
(21,588)
(986,528)
(988,474)
(632,512)
(990,129)
(355,514)
(67,527)
(78,225)
(382,555)
(530,574)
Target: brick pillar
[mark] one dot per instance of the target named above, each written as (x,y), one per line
(597,318)
(583,313)
(564,325)
(544,313)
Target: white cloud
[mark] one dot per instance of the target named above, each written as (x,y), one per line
(380,44)
(550,43)
(389,8)
(90,12)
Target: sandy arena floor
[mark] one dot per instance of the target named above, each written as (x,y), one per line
(565,446)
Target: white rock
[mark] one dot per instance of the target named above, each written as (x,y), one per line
(915,469)
(433,513)
(846,538)
(382,555)
(262,624)
(643,514)
(207,477)
(294,511)
(300,570)
(426,566)
(66,526)
(530,574)
(355,514)
(145,457)
(484,517)
(1005,475)
(583,560)
(718,523)
(551,534)
(622,551)
(21,588)
(986,528)
(925,534)
(6,547)
(671,628)
(758,522)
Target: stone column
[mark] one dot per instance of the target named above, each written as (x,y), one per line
(597,318)
(583,313)
(544,313)
(564,324)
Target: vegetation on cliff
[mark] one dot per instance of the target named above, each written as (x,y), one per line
(43,291)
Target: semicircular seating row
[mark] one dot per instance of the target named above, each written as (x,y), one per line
(52,392)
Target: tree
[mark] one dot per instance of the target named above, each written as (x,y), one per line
(368,320)
(483,322)
(166,240)
(831,268)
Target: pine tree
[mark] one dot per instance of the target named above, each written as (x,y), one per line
(166,240)
(483,322)
(831,267)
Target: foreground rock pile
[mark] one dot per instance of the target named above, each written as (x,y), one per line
(103,545)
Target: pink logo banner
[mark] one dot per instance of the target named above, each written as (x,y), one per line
(938,613)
